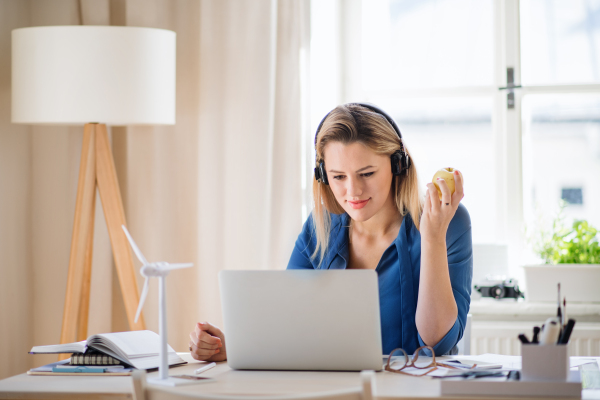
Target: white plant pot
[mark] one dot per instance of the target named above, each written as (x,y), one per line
(578,282)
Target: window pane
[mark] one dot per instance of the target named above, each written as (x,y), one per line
(560,41)
(561,156)
(453,132)
(436,43)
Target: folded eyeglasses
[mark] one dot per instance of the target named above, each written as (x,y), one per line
(399,360)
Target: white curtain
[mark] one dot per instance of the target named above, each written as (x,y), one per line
(221,188)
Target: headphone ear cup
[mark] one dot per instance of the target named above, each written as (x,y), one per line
(396,169)
(323,174)
(405,162)
(400,163)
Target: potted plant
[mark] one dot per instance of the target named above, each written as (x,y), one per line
(571,253)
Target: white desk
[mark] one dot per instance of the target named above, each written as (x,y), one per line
(227,381)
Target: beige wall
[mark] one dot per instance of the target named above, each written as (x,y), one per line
(221,188)
(15,218)
(39,177)
(39,182)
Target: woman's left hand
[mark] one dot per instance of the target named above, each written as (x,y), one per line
(207,343)
(438,214)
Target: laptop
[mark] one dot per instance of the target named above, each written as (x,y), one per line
(302,320)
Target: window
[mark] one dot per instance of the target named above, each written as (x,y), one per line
(560,48)
(430,65)
(426,44)
(561,155)
(441,69)
(560,41)
(452,132)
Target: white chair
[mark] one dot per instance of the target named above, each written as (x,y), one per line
(143,392)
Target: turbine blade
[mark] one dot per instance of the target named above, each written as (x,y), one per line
(169,267)
(142,299)
(136,249)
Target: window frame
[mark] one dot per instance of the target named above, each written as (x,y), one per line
(506,123)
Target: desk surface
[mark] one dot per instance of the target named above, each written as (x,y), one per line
(227,382)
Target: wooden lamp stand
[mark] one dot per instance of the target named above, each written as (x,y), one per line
(97,168)
(80,73)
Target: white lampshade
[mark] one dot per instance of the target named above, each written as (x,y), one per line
(79,74)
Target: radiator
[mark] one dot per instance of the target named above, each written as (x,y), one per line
(500,337)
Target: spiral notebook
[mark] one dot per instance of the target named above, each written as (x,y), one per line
(139,349)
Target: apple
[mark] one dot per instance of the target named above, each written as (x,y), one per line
(447,174)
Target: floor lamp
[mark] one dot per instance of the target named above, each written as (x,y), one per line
(93,76)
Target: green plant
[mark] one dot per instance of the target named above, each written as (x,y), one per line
(563,244)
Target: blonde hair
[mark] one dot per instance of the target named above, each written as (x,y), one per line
(351,123)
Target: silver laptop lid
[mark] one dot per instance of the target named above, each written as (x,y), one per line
(302,320)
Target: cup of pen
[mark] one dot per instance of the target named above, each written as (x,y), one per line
(544,362)
(547,359)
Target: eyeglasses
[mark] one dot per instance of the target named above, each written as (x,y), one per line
(399,360)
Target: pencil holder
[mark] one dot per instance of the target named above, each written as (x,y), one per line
(544,362)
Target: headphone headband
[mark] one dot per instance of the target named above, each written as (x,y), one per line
(371,107)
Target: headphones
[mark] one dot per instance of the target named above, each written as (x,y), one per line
(400,160)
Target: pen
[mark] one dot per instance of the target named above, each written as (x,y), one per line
(551,331)
(536,332)
(559,311)
(564,339)
(473,374)
(523,338)
(205,368)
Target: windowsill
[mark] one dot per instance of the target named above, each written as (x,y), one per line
(511,310)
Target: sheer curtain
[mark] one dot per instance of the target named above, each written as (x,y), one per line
(221,188)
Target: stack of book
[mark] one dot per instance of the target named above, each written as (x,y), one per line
(134,349)
(93,357)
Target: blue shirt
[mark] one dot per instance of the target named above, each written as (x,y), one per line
(398,274)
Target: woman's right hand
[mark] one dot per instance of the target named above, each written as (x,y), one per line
(207,343)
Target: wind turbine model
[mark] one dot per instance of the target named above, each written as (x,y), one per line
(158,269)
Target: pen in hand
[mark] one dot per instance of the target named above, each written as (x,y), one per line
(205,368)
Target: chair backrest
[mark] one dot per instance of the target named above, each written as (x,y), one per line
(141,391)
(464,345)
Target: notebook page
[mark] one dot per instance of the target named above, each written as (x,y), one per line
(154,361)
(78,347)
(131,344)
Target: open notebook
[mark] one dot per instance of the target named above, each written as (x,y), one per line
(136,348)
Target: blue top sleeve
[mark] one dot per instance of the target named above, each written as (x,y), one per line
(300,258)
(460,265)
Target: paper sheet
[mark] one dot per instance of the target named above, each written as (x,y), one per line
(507,362)
(514,362)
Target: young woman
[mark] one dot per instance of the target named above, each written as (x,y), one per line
(368,214)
